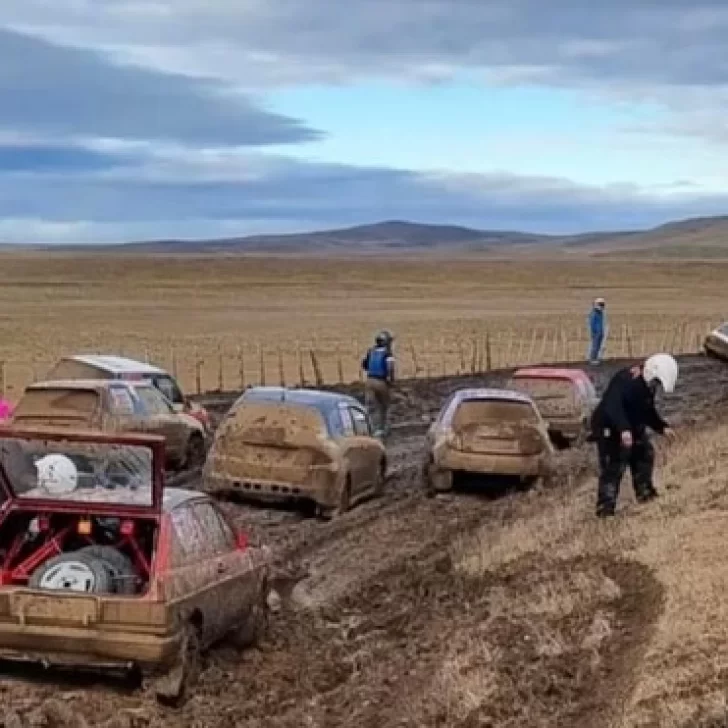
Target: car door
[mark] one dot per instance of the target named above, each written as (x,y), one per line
(365,449)
(236,583)
(194,576)
(162,420)
(350,449)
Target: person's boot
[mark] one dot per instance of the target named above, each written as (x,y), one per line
(604,511)
(646,495)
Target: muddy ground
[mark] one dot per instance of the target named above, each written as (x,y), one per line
(376,628)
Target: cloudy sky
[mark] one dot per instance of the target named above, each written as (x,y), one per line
(136,119)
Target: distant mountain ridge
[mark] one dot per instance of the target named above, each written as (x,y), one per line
(702,237)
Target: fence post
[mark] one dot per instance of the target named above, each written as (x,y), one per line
(488,353)
(198,375)
(281,368)
(301,372)
(241,366)
(339,365)
(444,362)
(532,348)
(2,378)
(415,363)
(316,369)
(220,370)
(261,354)
(173,356)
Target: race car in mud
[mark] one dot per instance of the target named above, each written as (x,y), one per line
(105,366)
(101,567)
(487,432)
(716,342)
(278,444)
(114,406)
(565,398)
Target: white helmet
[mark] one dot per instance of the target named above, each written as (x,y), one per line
(662,367)
(57,474)
(599,301)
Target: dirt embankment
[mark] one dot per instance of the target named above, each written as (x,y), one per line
(468,610)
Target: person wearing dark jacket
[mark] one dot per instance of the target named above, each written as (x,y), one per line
(619,426)
(378,363)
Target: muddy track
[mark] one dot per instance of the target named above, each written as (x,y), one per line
(372,564)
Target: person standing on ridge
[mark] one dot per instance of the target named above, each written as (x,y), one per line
(619,427)
(597,330)
(379,367)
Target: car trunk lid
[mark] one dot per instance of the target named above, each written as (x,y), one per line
(57,407)
(497,427)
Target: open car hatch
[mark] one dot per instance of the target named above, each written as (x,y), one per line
(75,470)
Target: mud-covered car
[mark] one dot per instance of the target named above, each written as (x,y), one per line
(114,406)
(487,432)
(107,366)
(716,342)
(278,444)
(565,398)
(102,567)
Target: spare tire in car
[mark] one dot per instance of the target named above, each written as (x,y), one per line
(123,575)
(73,572)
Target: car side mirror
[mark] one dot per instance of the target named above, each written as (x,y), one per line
(241,541)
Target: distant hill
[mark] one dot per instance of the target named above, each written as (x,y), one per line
(697,237)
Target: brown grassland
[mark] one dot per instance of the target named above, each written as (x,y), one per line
(465,611)
(228,313)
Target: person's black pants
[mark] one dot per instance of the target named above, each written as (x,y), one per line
(614,459)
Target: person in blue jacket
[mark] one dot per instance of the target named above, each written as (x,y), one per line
(597,330)
(378,364)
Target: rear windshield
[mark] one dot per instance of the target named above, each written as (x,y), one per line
(82,472)
(78,404)
(544,388)
(475,411)
(275,420)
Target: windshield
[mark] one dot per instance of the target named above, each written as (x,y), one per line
(80,472)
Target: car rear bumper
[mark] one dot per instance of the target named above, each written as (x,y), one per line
(491,463)
(80,646)
(267,490)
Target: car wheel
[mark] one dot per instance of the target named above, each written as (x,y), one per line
(253,628)
(76,572)
(329,512)
(195,455)
(173,688)
(381,478)
(124,577)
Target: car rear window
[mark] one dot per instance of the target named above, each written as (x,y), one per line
(474,411)
(277,419)
(59,403)
(541,388)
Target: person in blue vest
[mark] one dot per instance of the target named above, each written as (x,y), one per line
(378,364)
(597,330)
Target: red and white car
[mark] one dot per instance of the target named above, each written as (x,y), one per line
(102,567)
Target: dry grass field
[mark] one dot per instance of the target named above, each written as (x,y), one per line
(218,316)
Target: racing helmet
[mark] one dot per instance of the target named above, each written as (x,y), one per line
(662,368)
(57,474)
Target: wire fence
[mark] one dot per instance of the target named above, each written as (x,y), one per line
(315,364)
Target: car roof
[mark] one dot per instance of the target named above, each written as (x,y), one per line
(573,375)
(116,364)
(503,395)
(95,384)
(322,401)
(175,497)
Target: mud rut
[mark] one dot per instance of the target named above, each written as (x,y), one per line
(369,605)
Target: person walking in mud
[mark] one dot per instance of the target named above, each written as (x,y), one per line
(378,364)
(619,427)
(597,330)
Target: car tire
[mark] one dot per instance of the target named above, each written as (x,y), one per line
(195,452)
(74,571)
(125,578)
(250,633)
(381,478)
(327,513)
(176,686)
